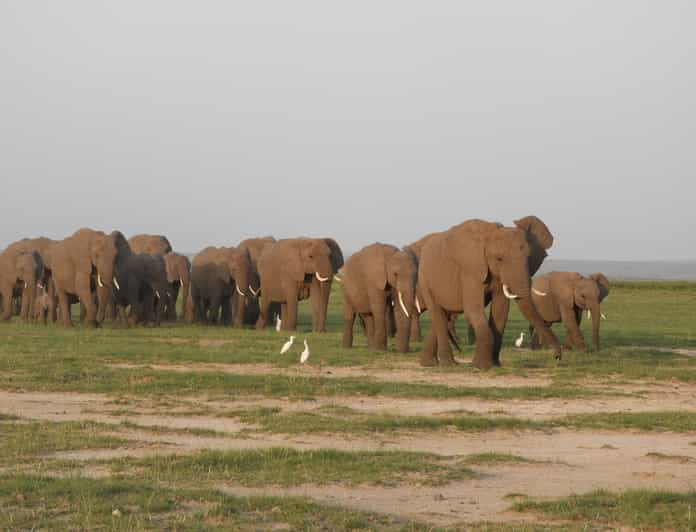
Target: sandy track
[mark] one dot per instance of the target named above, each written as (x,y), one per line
(570,461)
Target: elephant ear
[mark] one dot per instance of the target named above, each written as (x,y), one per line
(536,228)
(336,254)
(39,265)
(602,283)
(294,259)
(466,244)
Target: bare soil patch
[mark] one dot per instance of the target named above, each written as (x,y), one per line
(568,461)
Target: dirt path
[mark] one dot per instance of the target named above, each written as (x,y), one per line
(569,461)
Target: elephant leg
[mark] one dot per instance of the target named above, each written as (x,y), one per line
(28,296)
(215,303)
(6,296)
(84,292)
(500,308)
(378,306)
(428,354)
(471,334)
(52,302)
(348,322)
(64,305)
(475,314)
(264,305)
(289,321)
(572,330)
(440,324)
(369,322)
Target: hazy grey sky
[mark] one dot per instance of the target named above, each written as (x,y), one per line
(365,120)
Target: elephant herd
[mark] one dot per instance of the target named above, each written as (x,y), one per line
(259,282)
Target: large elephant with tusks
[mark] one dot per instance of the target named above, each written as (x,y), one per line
(460,269)
(286,269)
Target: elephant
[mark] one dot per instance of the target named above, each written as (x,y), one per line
(76,262)
(463,267)
(179,277)
(28,245)
(255,247)
(42,304)
(20,272)
(216,274)
(320,293)
(372,279)
(150,244)
(286,269)
(539,239)
(140,282)
(562,297)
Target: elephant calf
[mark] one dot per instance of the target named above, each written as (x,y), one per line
(373,278)
(562,297)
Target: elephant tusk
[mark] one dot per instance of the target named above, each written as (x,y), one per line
(507,293)
(25,284)
(118,287)
(239,291)
(320,278)
(99,281)
(181,281)
(603,316)
(157,294)
(403,307)
(338,278)
(254,293)
(539,292)
(40,285)
(418,307)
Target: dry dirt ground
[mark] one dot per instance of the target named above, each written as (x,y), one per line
(565,461)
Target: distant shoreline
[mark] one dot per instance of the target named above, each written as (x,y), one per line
(627,270)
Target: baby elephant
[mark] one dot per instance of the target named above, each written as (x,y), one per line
(562,297)
(40,308)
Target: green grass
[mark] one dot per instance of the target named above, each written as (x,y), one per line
(290,467)
(82,374)
(345,420)
(33,502)
(21,442)
(665,421)
(638,509)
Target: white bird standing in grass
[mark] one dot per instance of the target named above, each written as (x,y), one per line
(287,345)
(278,323)
(520,340)
(305,354)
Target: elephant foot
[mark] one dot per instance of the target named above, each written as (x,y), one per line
(483,362)
(447,360)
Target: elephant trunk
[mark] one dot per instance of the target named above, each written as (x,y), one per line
(596,314)
(405,297)
(531,314)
